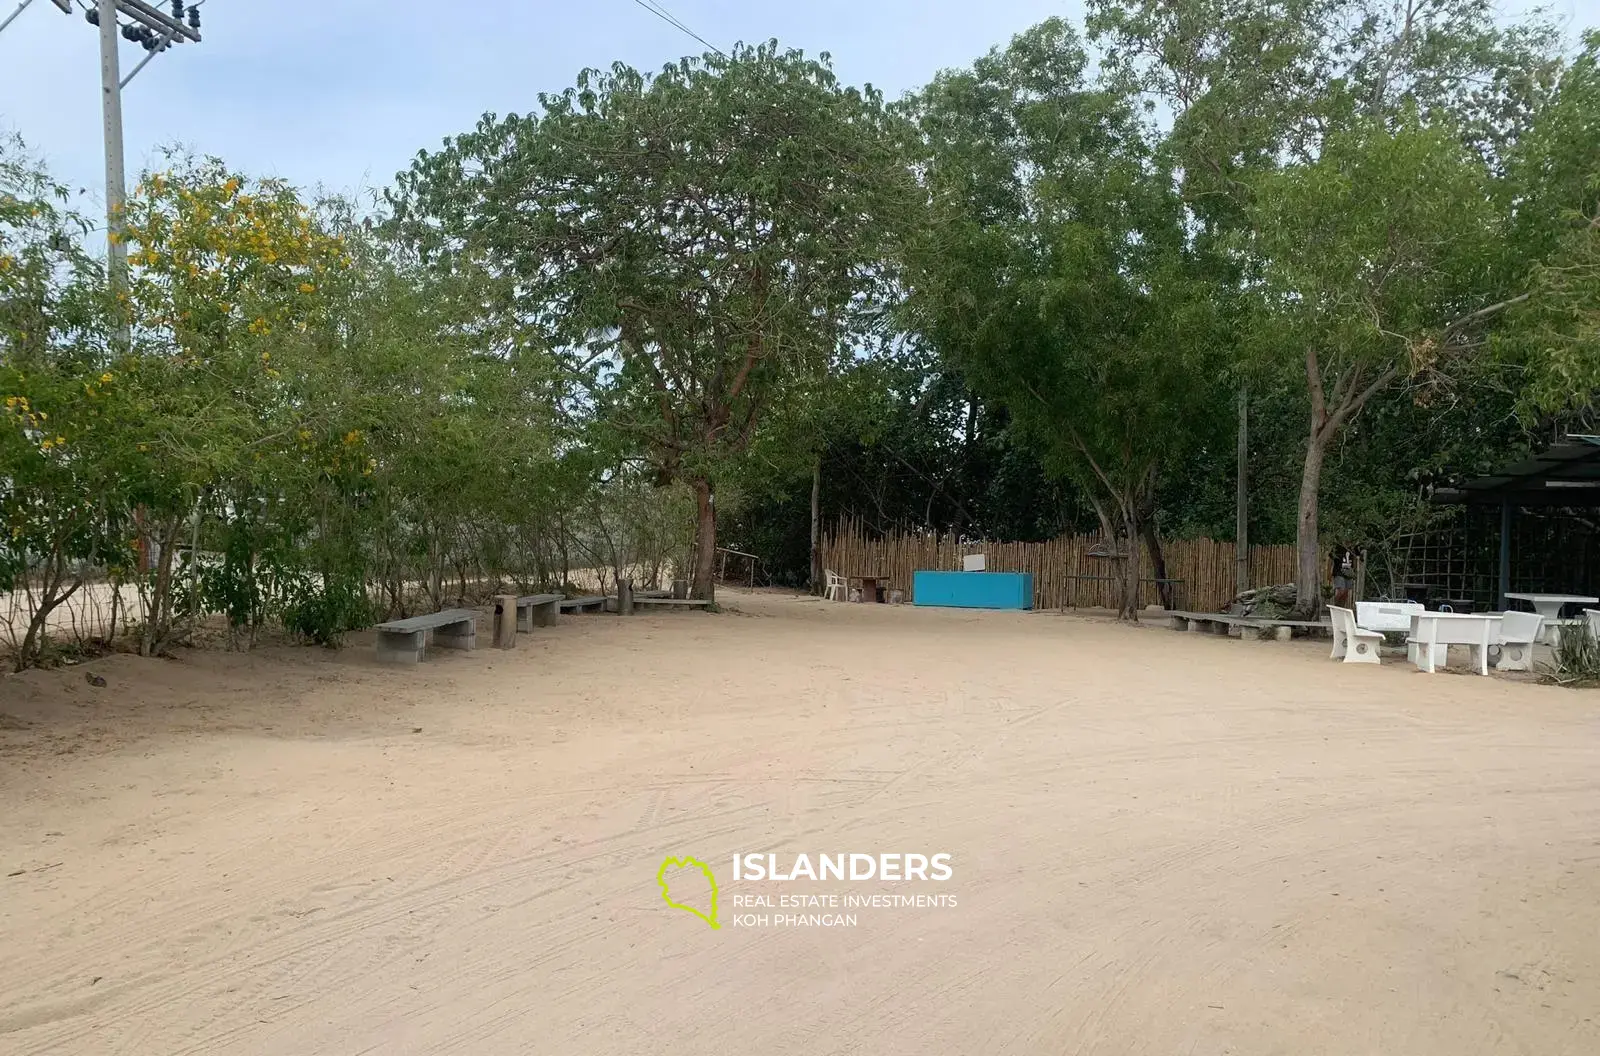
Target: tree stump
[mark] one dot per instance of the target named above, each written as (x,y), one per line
(505,621)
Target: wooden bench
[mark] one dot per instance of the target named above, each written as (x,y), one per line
(537,610)
(1247,627)
(589,603)
(404,641)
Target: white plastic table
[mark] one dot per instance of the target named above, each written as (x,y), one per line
(1432,629)
(1549,605)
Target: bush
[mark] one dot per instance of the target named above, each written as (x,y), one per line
(1577,656)
(323,614)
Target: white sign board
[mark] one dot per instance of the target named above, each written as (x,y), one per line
(973,563)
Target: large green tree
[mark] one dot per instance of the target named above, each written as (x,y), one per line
(1555,184)
(1060,278)
(1279,113)
(695,240)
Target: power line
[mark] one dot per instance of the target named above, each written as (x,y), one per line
(672,20)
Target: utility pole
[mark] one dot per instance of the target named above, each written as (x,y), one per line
(116,184)
(1241,528)
(156,31)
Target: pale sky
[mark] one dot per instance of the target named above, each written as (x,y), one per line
(342,93)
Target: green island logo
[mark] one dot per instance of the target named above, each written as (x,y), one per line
(666,892)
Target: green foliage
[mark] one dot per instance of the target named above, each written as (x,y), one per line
(1059,277)
(1020,302)
(1577,656)
(62,496)
(700,242)
(323,609)
(1556,184)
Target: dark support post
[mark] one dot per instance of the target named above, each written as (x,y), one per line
(1241,530)
(1505,552)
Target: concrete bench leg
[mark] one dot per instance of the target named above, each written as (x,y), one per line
(1197,626)
(1284,634)
(463,635)
(1515,656)
(401,647)
(1251,634)
(1362,648)
(545,615)
(524,618)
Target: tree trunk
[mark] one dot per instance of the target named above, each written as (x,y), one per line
(703,582)
(1308,551)
(1132,568)
(816,525)
(1158,561)
(158,617)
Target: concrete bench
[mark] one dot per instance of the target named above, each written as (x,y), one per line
(403,641)
(670,601)
(1247,627)
(590,603)
(614,602)
(537,610)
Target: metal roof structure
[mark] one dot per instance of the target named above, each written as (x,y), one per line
(1567,473)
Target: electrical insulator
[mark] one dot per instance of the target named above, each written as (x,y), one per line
(194,18)
(177,10)
(92,16)
(129,33)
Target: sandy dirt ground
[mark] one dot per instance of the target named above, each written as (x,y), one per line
(1160,844)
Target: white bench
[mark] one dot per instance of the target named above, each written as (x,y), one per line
(404,641)
(1518,632)
(537,610)
(1350,642)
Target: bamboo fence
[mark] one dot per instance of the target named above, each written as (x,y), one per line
(1067,573)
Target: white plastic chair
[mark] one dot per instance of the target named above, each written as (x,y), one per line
(1359,646)
(838,590)
(1518,632)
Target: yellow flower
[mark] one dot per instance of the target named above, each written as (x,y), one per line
(105,379)
(47,445)
(144,447)
(265,356)
(306,287)
(351,437)
(60,440)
